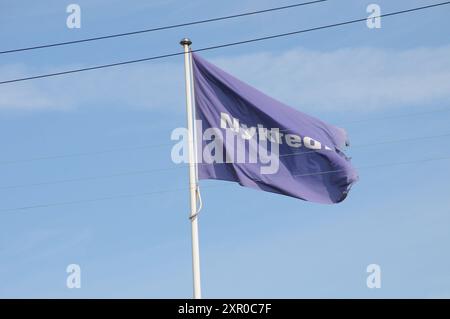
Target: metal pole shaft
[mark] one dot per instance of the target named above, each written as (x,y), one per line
(192,175)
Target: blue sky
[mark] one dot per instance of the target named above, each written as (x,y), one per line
(253,244)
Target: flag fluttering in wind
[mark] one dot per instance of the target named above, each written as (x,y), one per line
(248,137)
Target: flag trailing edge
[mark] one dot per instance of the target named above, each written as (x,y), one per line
(247,137)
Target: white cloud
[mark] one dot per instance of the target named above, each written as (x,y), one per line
(143,85)
(356,79)
(353,79)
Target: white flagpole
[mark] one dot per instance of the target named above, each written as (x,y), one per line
(186,43)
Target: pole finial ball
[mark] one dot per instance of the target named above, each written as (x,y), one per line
(186,41)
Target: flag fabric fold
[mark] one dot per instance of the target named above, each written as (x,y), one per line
(247,137)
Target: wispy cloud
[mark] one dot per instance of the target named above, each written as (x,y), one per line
(352,79)
(140,86)
(355,79)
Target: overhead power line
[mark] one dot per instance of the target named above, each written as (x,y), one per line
(92,178)
(173,26)
(81,154)
(150,171)
(425,160)
(98,199)
(334,25)
(404,140)
(114,197)
(144,147)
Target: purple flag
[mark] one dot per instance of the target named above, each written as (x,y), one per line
(247,137)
